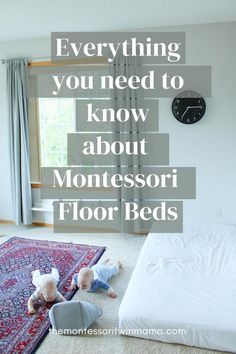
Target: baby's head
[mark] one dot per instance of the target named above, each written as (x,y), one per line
(48,288)
(85,278)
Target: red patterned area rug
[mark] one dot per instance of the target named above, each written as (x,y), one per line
(19,332)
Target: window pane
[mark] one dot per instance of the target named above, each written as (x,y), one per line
(57,119)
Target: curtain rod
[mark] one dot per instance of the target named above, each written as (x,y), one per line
(81,60)
(3,61)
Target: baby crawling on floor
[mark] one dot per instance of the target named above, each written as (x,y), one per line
(96,277)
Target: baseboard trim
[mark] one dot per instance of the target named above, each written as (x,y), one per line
(7,222)
(86,229)
(35,185)
(41,224)
(11,222)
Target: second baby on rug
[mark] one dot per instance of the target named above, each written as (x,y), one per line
(96,277)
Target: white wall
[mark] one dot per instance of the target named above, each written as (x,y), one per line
(210,145)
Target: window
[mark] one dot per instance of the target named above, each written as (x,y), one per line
(51,119)
(56,120)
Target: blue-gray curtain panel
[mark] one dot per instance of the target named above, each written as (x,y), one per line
(19,140)
(128,99)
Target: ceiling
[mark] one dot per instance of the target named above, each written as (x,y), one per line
(22,19)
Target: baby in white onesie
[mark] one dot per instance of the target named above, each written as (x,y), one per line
(46,289)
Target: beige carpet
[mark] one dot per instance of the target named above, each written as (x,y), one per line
(125,248)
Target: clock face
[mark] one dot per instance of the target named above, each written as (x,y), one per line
(188,107)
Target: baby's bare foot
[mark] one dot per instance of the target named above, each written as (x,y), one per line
(113,295)
(32,311)
(120,265)
(107,260)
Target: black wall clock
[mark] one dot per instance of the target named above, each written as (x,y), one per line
(188,107)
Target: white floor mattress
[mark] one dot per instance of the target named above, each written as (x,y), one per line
(184,287)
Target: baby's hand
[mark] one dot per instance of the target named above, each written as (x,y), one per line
(113,295)
(31,311)
(72,287)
